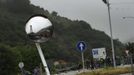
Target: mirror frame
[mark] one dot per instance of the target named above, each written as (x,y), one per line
(35,35)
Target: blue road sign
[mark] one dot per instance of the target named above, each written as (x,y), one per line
(81,46)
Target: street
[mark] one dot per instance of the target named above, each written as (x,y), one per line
(127,74)
(72,72)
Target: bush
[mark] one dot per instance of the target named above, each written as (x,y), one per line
(8,61)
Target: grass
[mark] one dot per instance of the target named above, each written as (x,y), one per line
(108,71)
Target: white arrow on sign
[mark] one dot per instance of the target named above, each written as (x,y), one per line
(81,46)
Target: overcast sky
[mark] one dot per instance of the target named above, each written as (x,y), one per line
(95,13)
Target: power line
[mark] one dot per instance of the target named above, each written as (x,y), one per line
(122,3)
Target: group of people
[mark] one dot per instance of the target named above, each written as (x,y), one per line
(36,71)
(94,64)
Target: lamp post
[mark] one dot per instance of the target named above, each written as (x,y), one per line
(130,55)
(127,17)
(112,44)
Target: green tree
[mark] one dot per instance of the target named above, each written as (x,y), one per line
(8,61)
(130,47)
(15,13)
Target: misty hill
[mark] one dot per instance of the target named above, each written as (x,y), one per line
(15,13)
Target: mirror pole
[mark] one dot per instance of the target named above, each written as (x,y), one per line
(42,58)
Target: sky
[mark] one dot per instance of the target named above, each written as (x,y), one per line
(96,14)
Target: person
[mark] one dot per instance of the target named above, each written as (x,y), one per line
(25,72)
(88,64)
(92,64)
(36,71)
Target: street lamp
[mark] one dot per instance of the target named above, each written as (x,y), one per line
(39,29)
(112,44)
(128,17)
(130,54)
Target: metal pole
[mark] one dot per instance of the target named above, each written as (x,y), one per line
(22,71)
(128,17)
(112,44)
(132,67)
(42,58)
(83,64)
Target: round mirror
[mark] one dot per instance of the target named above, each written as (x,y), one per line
(39,28)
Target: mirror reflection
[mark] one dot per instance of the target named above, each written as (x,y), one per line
(39,28)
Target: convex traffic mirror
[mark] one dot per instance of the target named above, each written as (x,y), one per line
(39,28)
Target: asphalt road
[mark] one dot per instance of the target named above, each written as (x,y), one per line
(72,72)
(69,73)
(127,74)
(77,72)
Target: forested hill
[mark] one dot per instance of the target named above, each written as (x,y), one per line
(15,13)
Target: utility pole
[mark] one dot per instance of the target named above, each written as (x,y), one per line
(130,54)
(128,17)
(110,23)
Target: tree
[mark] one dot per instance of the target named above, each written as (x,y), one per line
(8,61)
(61,46)
(54,13)
(130,47)
(19,6)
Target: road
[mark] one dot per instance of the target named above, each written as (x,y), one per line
(69,73)
(127,74)
(77,72)
(72,72)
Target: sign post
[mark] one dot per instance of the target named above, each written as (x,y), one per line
(82,55)
(42,58)
(39,29)
(21,65)
(81,46)
(130,55)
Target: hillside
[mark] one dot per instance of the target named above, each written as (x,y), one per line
(15,13)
